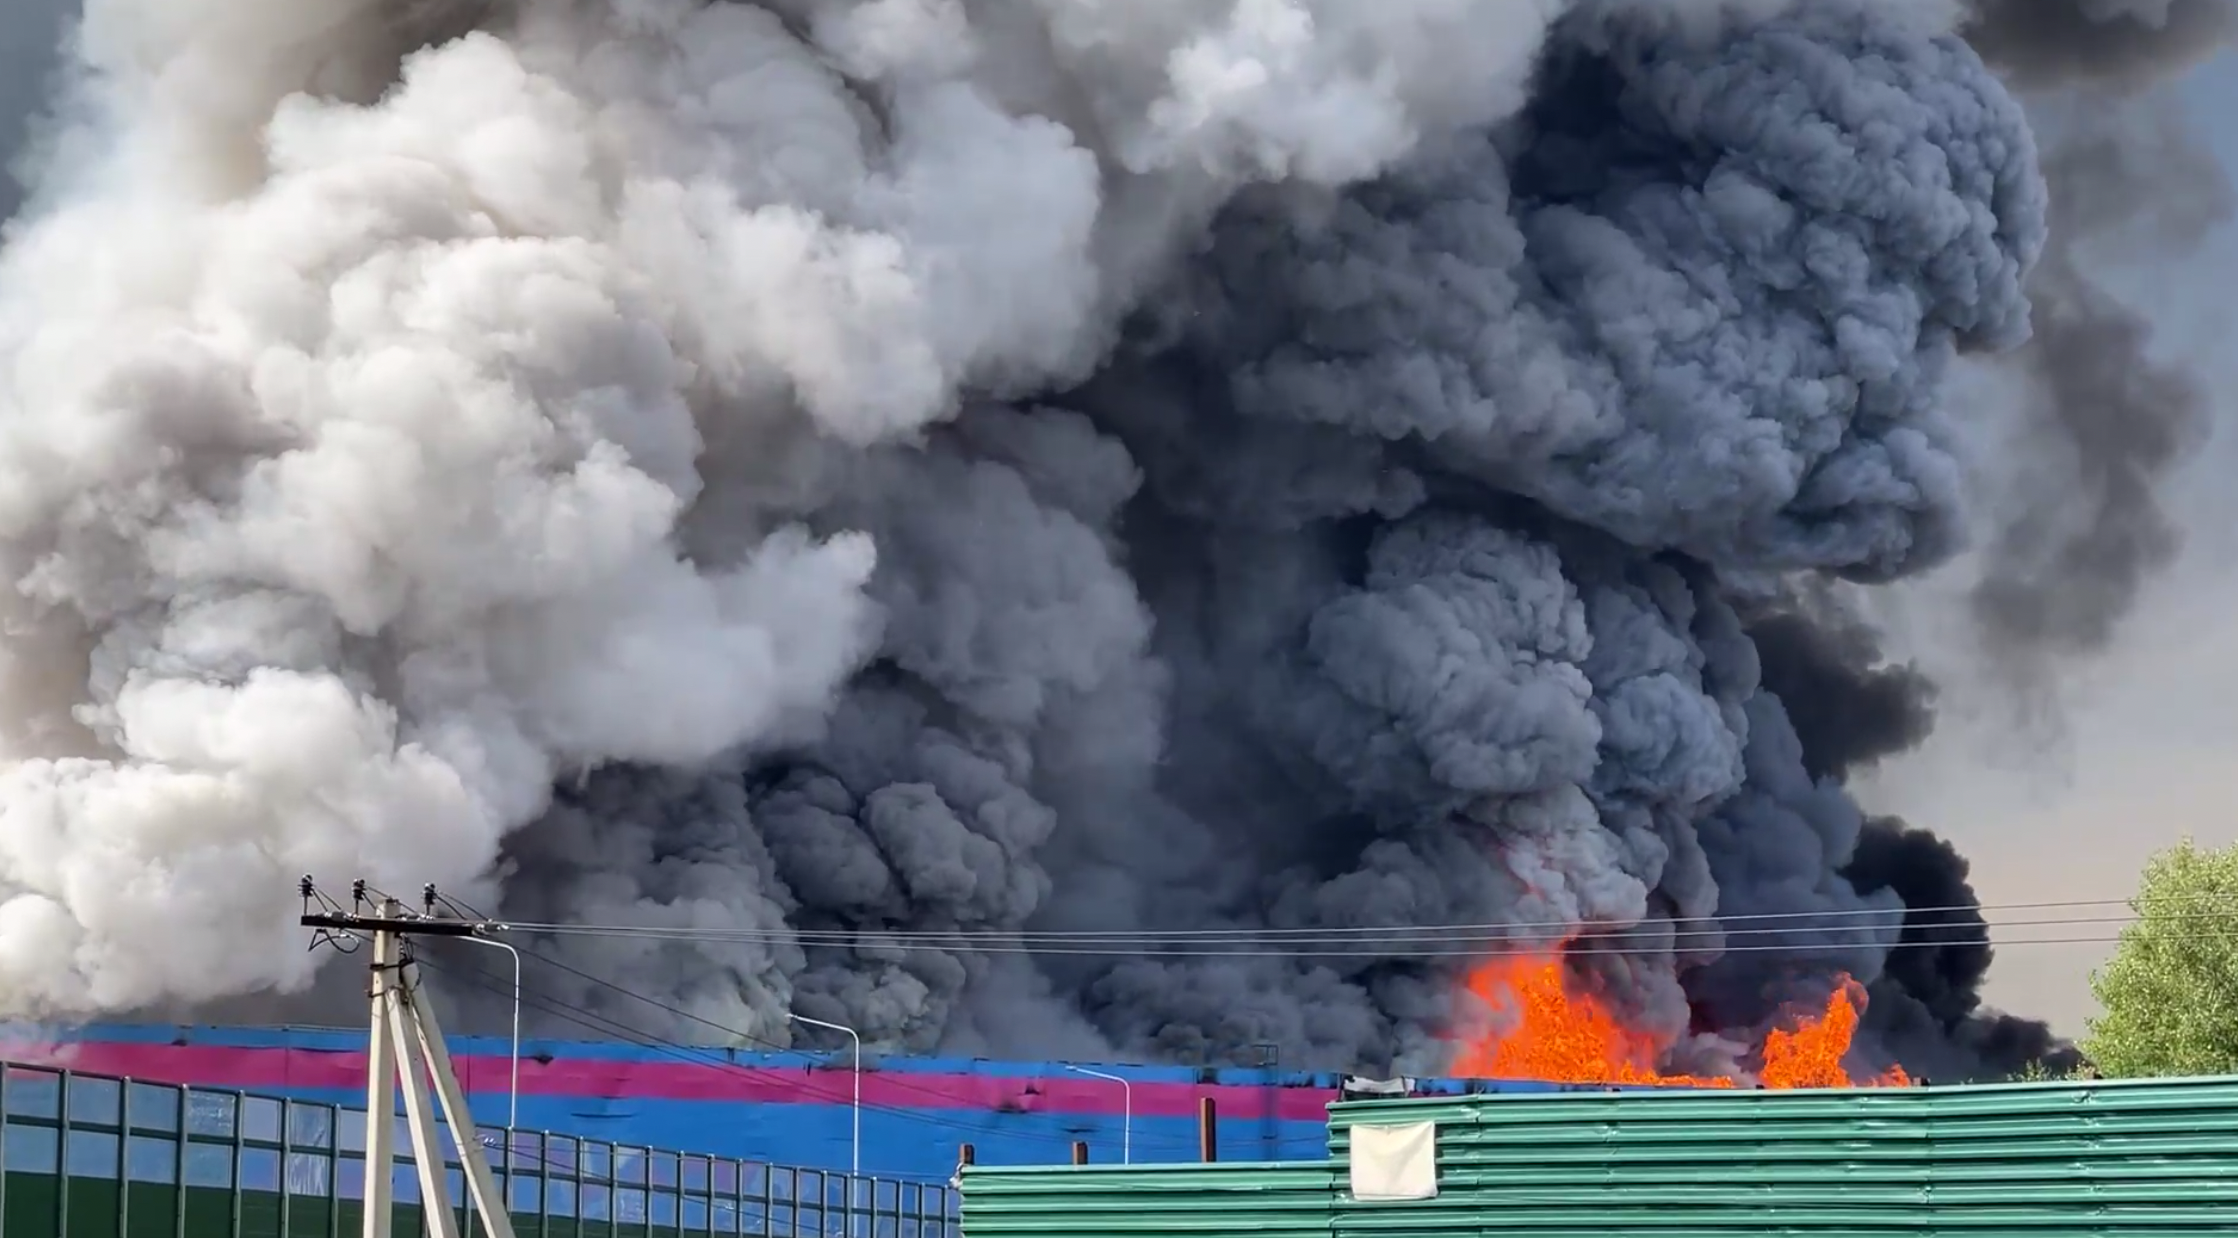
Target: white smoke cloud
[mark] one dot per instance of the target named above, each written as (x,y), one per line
(364,361)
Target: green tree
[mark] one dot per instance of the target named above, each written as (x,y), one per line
(2168,999)
(2045,1072)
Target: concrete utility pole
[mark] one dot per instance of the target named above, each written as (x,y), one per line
(408,1046)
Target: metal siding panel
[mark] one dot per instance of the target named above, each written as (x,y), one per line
(1289,1200)
(2154,1159)
(2029,1161)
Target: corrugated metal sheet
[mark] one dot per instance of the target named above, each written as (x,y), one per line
(1285,1200)
(2114,1160)
(2146,1159)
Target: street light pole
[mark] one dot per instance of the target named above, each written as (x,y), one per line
(513,1105)
(1127,1100)
(855,1175)
(513,1102)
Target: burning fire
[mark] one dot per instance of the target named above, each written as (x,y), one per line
(1563,1037)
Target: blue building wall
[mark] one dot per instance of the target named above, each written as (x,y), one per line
(782,1108)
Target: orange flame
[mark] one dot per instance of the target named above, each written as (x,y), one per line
(1561,1037)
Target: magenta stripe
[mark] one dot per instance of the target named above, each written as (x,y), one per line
(263,1069)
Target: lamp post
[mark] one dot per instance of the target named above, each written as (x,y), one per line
(1126,1100)
(856,1172)
(513,1103)
(513,1094)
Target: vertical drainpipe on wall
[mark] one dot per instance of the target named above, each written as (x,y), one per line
(1270,1132)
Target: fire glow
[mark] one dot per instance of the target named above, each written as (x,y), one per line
(1558,1036)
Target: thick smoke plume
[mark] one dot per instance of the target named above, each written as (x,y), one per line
(2106,418)
(817,473)
(1926,1006)
(2099,43)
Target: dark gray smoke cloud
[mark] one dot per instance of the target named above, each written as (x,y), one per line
(2105,418)
(1926,1008)
(1853,709)
(2119,43)
(1378,581)
(859,483)
(2104,423)
(30,61)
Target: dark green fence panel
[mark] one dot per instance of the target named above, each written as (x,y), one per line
(2140,1159)
(1285,1200)
(87,1156)
(2131,1159)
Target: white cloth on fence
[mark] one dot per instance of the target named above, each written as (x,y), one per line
(1395,1162)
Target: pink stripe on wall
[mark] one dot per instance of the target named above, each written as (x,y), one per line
(265,1069)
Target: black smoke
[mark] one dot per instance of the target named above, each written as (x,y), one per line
(2104,422)
(1382,580)
(1925,1009)
(2106,417)
(2098,43)
(842,495)
(1851,706)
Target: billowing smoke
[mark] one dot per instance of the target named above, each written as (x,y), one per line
(819,473)
(1926,1005)
(2106,416)
(28,70)
(2124,43)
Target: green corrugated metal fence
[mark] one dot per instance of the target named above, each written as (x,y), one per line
(2143,1159)
(1288,1200)
(2136,1158)
(87,1156)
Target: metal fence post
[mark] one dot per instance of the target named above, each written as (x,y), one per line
(738,1196)
(543,1185)
(239,1220)
(333,1171)
(124,1165)
(287,1162)
(4,1073)
(62,1157)
(181,1116)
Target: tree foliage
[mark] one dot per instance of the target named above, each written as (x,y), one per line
(2168,999)
(2047,1072)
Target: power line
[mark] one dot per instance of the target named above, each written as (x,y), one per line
(337,926)
(1459,941)
(578,1016)
(895,1081)
(934,938)
(1651,940)
(1611,944)
(1492,932)
(872,942)
(606,1026)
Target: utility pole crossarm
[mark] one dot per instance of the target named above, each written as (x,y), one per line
(413,926)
